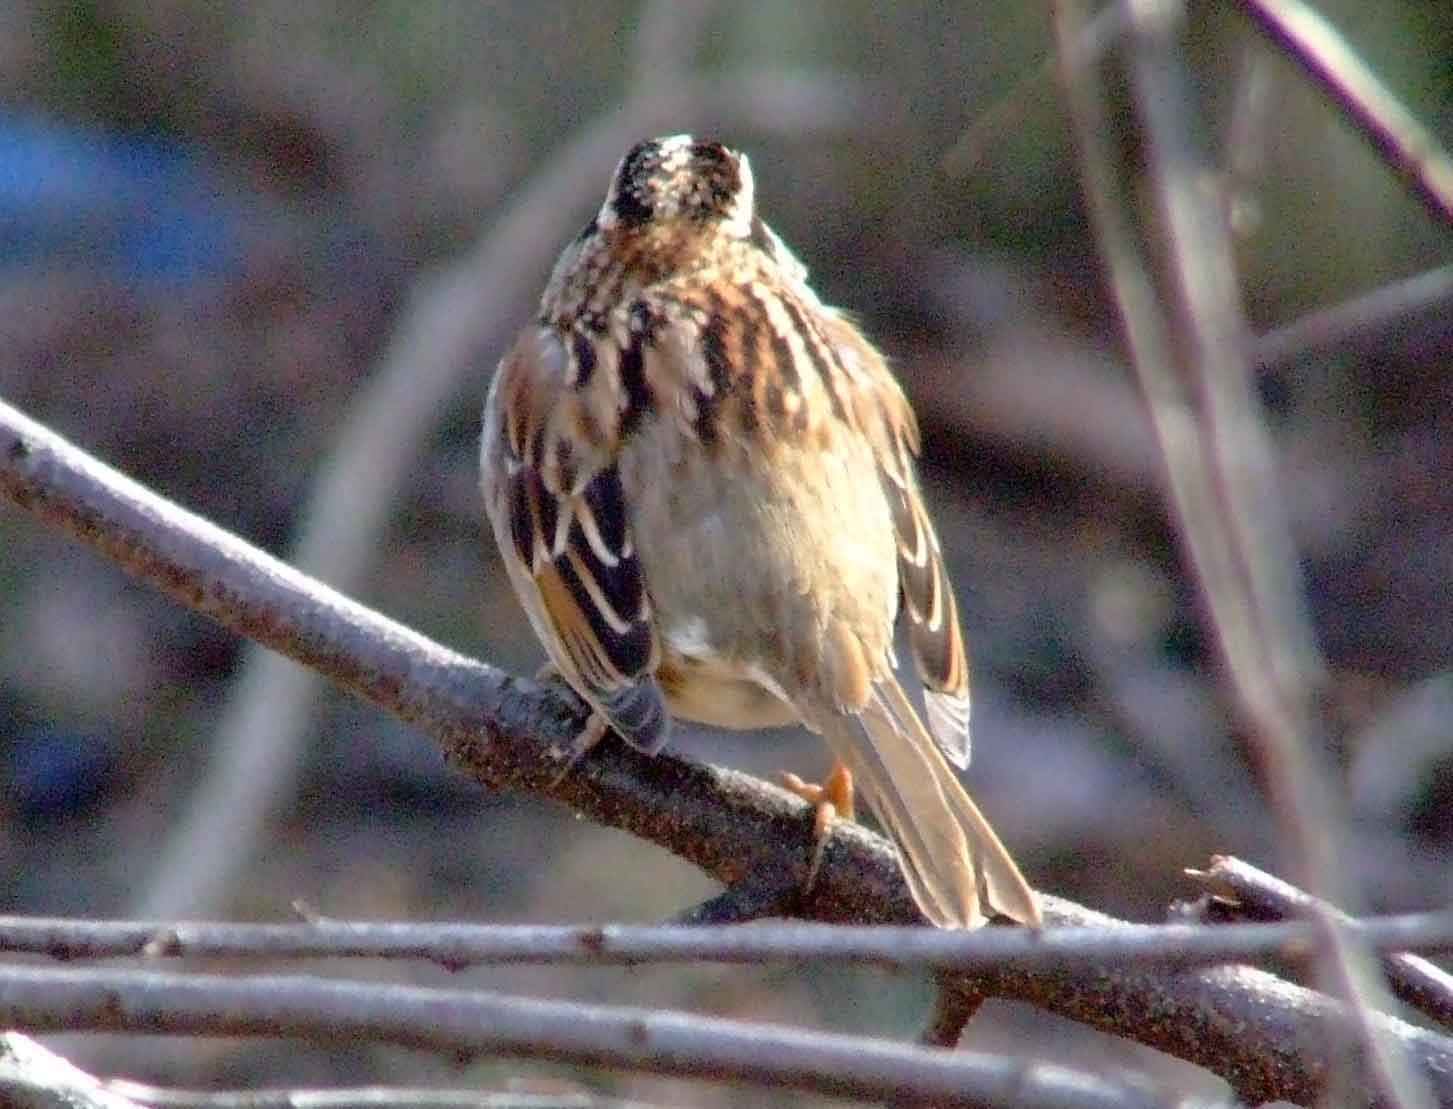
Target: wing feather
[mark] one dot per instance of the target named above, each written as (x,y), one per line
(559,512)
(935,639)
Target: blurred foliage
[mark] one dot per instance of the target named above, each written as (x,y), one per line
(210,214)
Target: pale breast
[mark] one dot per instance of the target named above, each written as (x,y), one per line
(759,567)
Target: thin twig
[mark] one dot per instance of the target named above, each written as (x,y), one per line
(1009,112)
(455,946)
(1271,1040)
(371,1097)
(1406,145)
(479,1022)
(1260,896)
(1416,311)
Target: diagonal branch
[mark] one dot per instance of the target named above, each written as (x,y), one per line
(1268,1038)
(1191,365)
(1404,143)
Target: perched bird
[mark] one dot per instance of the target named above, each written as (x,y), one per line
(700,478)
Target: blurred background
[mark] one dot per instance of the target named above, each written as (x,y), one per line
(263,257)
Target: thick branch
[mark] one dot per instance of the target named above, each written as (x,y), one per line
(479,1022)
(1268,1038)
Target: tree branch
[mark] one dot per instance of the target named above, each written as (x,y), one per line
(1404,143)
(1270,1039)
(479,1022)
(36,1078)
(1254,894)
(1062,950)
(367,1097)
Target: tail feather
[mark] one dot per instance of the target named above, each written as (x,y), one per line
(955,866)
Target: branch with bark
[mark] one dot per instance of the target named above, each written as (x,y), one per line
(1238,888)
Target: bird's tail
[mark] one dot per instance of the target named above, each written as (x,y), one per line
(956,868)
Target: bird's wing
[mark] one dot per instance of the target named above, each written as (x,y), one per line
(934,635)
(551,440)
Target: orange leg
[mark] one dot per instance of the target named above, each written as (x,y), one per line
(833,799)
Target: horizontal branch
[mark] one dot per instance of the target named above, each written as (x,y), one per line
(1268,1038)
(458,946)
(364,1097)
(480,1022)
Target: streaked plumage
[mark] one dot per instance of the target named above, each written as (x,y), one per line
(701,480)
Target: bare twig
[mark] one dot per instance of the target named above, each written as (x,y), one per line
(1268,1038)
(1009,111)
(455,946)
(1417,311)
(478,1022)
(457,320)
(1303,34)
(1404,143)
(371,1097)
(1260,896)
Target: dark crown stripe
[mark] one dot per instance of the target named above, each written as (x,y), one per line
(629,201)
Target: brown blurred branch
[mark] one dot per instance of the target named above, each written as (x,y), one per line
(1063,950)
(479,1022)
(1415,311)
(1405,144)
(1308,39)
(1268,1038)
(1191,364)
(1253,894)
